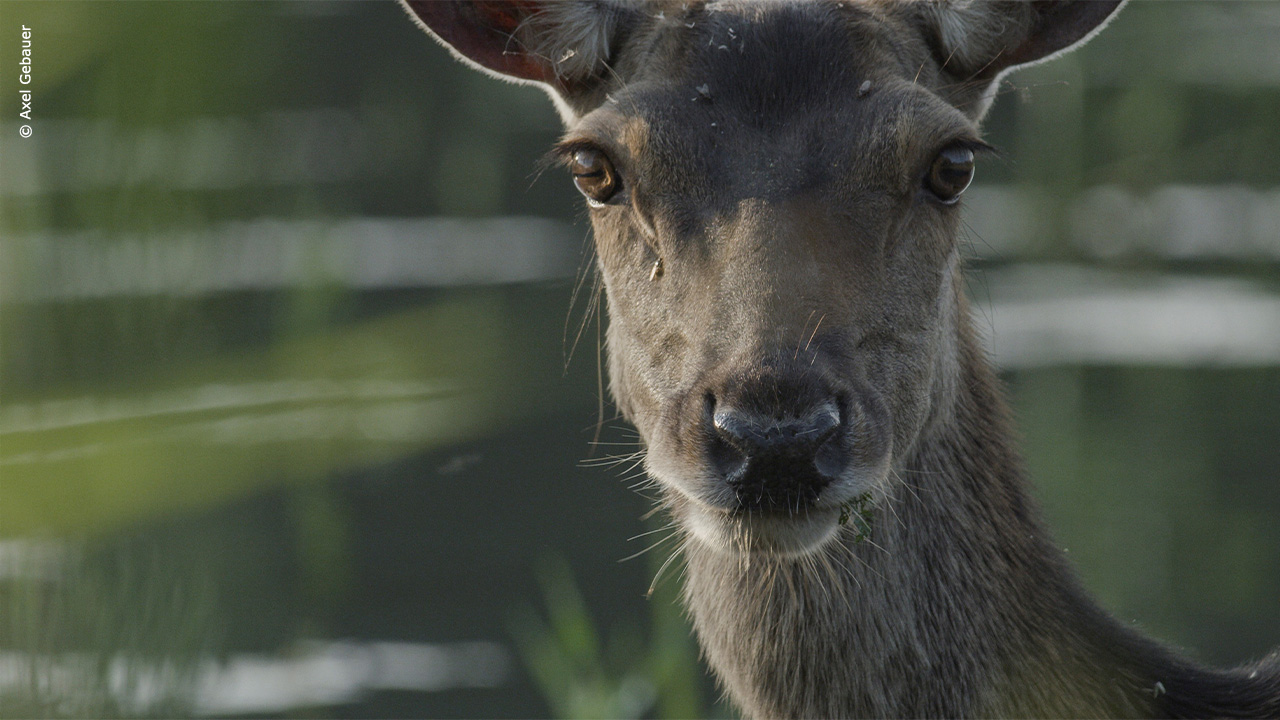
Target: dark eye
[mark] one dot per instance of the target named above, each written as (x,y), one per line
(594,176)
(950,174)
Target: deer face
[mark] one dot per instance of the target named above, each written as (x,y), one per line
(776,236)
(774,190)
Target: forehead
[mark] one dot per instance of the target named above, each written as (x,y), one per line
(771,94)
(771,60)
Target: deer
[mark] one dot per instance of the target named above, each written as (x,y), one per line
(775,191)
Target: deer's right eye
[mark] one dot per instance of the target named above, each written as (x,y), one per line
(594,176)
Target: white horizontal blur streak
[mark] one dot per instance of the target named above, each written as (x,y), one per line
(1182,222)
(315,145)
(363,254)
(1061,315)
(314,674)
(29,558)
(340,672)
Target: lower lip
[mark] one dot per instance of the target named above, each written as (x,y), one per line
(778,534)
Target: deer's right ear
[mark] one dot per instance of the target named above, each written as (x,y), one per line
(563,46)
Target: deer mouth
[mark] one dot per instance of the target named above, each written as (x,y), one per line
(785,486)
(804,528)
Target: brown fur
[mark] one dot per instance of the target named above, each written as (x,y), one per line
(771,157)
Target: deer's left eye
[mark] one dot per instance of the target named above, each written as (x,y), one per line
(594,176)
(950,174)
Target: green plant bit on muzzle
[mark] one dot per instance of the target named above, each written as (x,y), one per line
(858,510)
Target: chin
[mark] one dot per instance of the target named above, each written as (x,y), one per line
(772,534)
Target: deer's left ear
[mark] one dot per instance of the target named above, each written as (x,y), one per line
(562,46)
(976,41)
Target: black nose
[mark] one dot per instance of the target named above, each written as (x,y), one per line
(779,461)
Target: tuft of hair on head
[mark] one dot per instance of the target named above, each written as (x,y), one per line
(575,37)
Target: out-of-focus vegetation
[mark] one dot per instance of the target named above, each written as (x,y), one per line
(285,419)
(628,671)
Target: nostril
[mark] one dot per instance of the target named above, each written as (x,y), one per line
(727,456)
(829,457)
(727,424)
(749,434)
(826,420)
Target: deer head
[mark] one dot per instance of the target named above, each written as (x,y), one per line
(775,189)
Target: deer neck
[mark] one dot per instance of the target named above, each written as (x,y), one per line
(955,605)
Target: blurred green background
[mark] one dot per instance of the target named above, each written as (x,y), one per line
(289,424)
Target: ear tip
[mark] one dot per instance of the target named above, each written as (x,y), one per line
(483,34)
